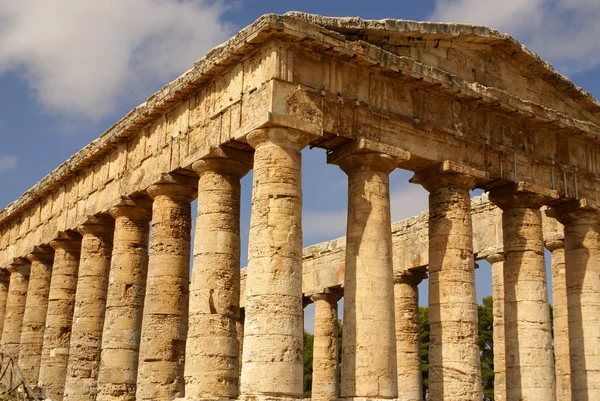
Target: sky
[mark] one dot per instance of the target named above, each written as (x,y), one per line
(69,69)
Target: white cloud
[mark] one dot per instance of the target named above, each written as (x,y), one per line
(7,163)
(84,57)
(407,201)
(565,32)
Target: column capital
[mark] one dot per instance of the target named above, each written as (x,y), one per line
(449,174)
(43,254)
(495,257)
(331,295)
(19,265)
(135,208)
(576,210)
(522,194)
(69,241)
(284,137)
(99,225)
(409,276)
(224,165)
(175,186)
(366,155)
(553,244)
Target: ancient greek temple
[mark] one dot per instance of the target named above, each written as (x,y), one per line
(97,302)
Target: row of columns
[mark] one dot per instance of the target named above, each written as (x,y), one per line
(117,324)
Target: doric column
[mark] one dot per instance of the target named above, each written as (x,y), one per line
(582,261)
(454,367)
(497,262)
(528,340)
(61,302)
(239,327)
(325,347)
(562,363)
(4,282)
(90,304)
(369,335)
(15,307)
(408,336)
(273,334)
(164,323)
(36,308)
(124,301)
(212,350)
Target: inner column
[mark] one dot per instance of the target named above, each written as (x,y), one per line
(528,339)
(562,363)
(408,336)
(582,261)
(497,263)
(61,302)
(212,349)
(273,331)
(4,282)
(90,305)
(369,335)
(125,301)
(454,366)
(36,308)
(325,347)
(165,316)
(15,307)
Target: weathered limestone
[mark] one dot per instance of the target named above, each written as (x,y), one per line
(325,347)
(124,301)
(454,366)
(408,341)
(496,260)
(164,323)
(36,308)
(61,303)
(90,306)
(582,261)
(369,335)
(273,332)
(4,283)
(528,340)
(212,349)
(562,364)
(15,307)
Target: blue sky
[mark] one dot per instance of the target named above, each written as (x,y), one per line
(70,69)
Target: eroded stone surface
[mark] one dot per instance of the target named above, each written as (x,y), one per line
(36,308)
(61,302)
(125,301)
(90,306)
(15,308)
(164,323)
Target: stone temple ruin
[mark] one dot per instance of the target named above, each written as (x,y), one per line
(96,306)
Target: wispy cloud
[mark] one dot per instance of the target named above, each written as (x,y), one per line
(565,32)
(7,163)
(84,57)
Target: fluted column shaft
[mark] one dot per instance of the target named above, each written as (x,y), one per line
(325,348)
(164,323)
(124,302)
(81,383)
(408,336)
(528,340)
(562,363)
(497,262)
(4,283)
(15,308)
(212,350)
(61,302)
(454,366)
(582,261)
(34,319)
(273,333)
(369,335)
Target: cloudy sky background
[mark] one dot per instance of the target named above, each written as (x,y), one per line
(70,69)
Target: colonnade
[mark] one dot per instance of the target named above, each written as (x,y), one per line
(111,314)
